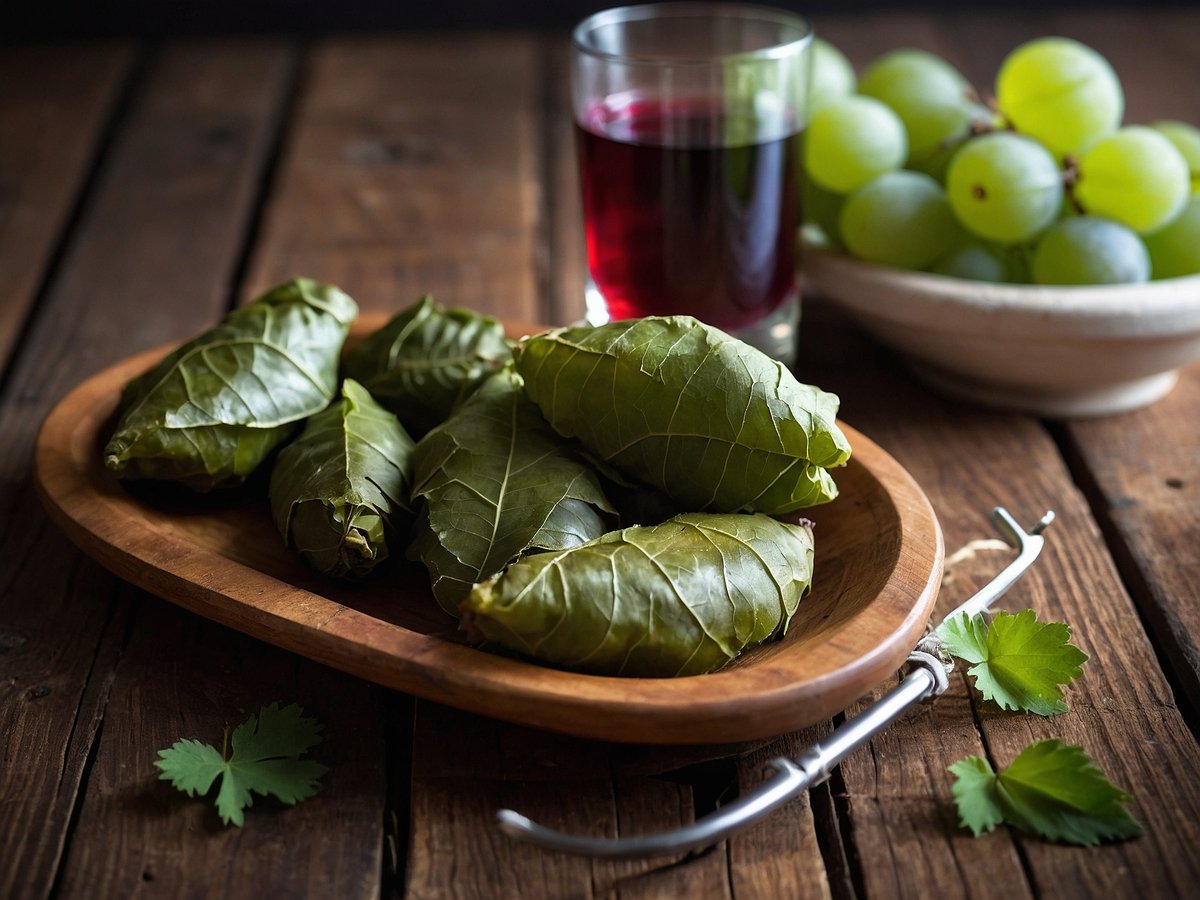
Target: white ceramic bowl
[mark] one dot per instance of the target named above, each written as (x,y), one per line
(1054,351)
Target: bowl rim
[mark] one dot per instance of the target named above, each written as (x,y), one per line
(1164,297)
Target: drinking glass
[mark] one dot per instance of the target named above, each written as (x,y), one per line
(688,119)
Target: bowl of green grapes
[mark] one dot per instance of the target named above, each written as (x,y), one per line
(1033,252)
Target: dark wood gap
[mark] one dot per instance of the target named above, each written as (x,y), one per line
(77,807)
(1023,860)
(839,798)
(829,803)
(828,827)
(713,783)
(122,606)
(114,121)
(397,730)
(546,162)
(560,258)
(283,118)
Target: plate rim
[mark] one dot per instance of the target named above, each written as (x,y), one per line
(73,486)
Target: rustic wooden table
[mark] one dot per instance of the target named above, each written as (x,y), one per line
(143,189)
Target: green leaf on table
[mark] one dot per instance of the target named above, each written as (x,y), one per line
(265,759)
(1017,661)
(1052,790)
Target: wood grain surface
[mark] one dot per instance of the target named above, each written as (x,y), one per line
(163,183)
(55,104)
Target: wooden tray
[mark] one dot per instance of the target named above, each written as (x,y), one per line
(878,566)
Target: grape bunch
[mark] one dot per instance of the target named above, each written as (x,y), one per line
(906,167)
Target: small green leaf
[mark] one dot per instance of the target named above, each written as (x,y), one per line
(1017,661)
(1052,790)
(974,792)
(264,760)
(191,766)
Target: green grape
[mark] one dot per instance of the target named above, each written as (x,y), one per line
(976,261)
(822,208)
(1135,176)
(1186,139)
(909,66)
(832,76)
(927,93)
(851,141)
(1060,92)
(899,219)
(1175,249)
(1090,250)
(1004,187)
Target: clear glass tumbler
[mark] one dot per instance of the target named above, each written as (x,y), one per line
(688,120)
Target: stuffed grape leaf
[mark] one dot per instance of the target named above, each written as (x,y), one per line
(496,482)
(711,421)
(680,598)
(212,410)
(339,492)
(427,360)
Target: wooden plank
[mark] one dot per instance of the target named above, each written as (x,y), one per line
(55,101)
(411,174)
(781,856)
(61,634)
(1142,471)
(152,260)
(463,769)
(565,260)
(466,767)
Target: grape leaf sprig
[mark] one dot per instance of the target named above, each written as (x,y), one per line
(265,759)
(1017,662)
(1052,790)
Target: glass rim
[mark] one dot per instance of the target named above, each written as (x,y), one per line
(643,12)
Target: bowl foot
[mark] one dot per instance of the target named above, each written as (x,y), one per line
(1068,404)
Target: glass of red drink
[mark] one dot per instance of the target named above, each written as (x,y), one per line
(688,120)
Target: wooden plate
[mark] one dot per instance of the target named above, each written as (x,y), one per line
(878,566)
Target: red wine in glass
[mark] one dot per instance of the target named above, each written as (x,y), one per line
(687,212)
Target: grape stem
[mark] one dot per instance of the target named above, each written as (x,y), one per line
(974,129)
(1070,179)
